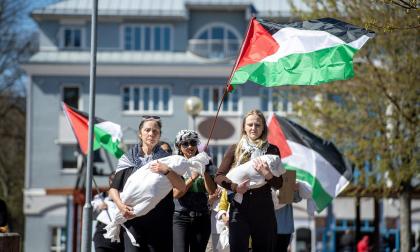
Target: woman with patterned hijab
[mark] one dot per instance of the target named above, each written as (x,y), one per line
(153,231)
(254,217)
(191,221)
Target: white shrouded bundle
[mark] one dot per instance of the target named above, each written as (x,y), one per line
(246,171)
(144,189)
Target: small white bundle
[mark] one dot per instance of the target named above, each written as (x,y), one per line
(144,189)
(247,171)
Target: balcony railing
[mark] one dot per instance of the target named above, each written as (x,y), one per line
(214,49)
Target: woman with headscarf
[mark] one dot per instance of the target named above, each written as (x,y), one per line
(153,231)
(254,217)
(191,221)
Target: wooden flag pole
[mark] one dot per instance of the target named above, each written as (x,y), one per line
(227,88)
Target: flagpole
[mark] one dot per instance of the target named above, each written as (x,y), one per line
(87,208)
(226,89)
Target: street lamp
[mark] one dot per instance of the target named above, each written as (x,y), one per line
(193,106)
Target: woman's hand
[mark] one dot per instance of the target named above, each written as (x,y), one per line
(126,211)
(214,196)
(158,167)
(262,168)
(225,219)
(242,187)
(103,206)
(194,176)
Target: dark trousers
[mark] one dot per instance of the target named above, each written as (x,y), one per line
(191,231)
(153,231)
(105,245)
(282,242)
(254,218)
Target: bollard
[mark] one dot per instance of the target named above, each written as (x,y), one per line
(10,242)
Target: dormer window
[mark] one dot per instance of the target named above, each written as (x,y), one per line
(216,41)
(72,37)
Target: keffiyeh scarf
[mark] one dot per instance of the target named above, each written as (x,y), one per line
(136,158)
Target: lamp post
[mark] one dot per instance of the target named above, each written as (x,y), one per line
(193,106)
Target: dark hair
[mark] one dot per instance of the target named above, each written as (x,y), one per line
(170,151)
(158,122)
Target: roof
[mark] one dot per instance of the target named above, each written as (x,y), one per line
(119,57)
(167,8)
(116,8)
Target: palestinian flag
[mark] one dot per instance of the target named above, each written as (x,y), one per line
(318,164)
(106,134)
(301,53)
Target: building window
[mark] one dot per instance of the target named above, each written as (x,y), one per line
(148,99)
(71,96)
(72,37)
(69,154)
(58,239)
(147,37)
(211,96)
(216,41)
(276,100)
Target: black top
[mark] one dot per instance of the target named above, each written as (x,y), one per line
(164,206)
(195,199)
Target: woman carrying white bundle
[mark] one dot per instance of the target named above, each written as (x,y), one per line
(152,231)
(191,222)
(145,195)
(254,217)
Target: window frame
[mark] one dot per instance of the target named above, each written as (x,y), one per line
(220,153)
(225,41)
(221,88)
(72,85)
(269,99)
(72,27)
(72,170)
(152,36)
(56,247)
(141,110)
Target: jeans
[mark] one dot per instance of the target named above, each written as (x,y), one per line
(191,231)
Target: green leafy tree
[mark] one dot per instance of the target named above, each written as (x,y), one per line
(374,117)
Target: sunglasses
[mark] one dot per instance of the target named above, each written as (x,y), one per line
(148,117)
(192,143)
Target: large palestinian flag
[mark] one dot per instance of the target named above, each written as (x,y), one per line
(318,164)
(301,53)
(106,134)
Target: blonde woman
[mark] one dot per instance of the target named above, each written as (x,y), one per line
(254,217)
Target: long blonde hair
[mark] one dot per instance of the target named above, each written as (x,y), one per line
(260,142)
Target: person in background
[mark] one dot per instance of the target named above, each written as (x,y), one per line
(4,215)
(363,244)
(100,206)
(216,225)
(153,231)
(166,147)
(191,221)
(254,217)
(285,223)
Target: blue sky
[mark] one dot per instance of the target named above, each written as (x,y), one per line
(24,22)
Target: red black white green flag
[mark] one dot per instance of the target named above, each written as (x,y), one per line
(106,134)
(301,53)
(317,162)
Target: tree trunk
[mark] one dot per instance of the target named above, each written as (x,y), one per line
(405,220)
